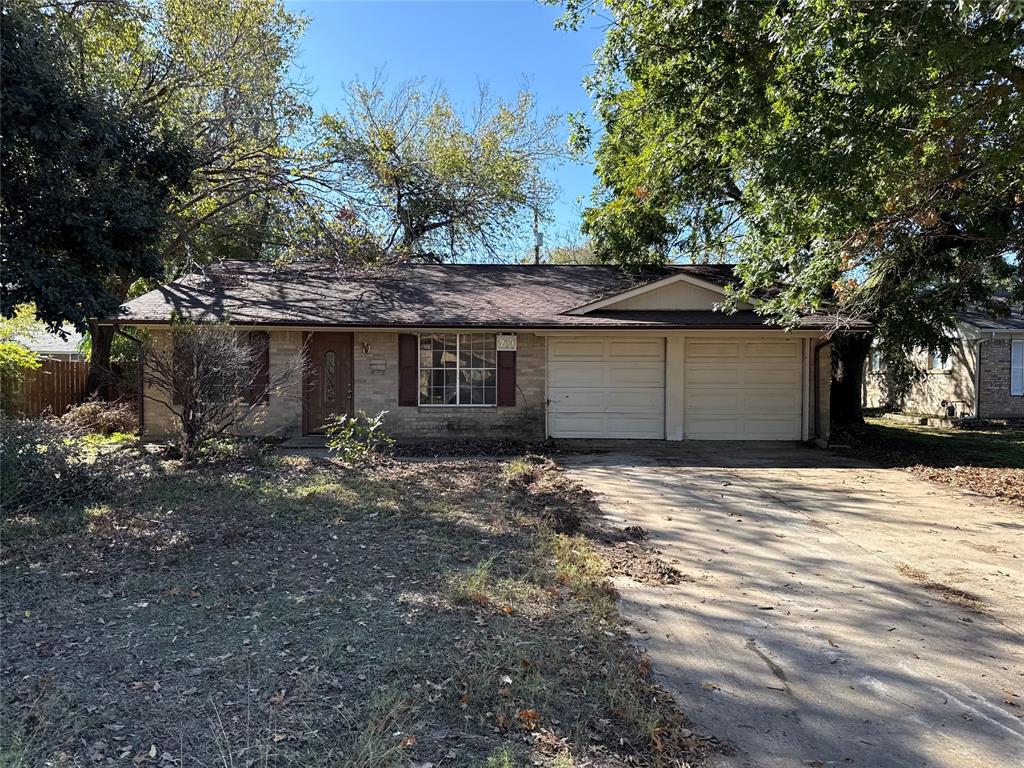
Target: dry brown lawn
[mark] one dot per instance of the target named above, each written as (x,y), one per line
(292,611)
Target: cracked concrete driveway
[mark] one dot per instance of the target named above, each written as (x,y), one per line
(829,613)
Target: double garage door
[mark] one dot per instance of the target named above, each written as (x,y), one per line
(733,388)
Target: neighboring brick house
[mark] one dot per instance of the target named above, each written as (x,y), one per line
(503,351)
(982,378)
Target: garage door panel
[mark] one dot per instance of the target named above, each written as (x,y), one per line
(575,349)
(635,427)
(578,373)
(636,400)
(715,401)
(635,375)
(606,388)
(573,400)
(743,389)
(772,349)
(772,428)
(710,428)
(702,374)
(576,425)
(711,350)
(785,375)
(652,349)
(771,402)
(602,375)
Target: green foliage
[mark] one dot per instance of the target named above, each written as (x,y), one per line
(864,156)
(15,358)
(358,439)
(87,179)
(42,466)
(219,73)
(426,180)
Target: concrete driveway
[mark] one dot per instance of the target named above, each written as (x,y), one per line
(811,626)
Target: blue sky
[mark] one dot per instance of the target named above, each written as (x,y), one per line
(459,44)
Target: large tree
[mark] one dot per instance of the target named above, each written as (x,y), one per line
(86,180)
(427,180)
(864,157)
(220,74)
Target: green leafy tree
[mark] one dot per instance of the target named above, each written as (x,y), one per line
(86,181)
(861,157)
(428,182)
(15,356)
(219,73)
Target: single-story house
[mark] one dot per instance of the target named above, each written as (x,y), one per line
(983,377)
(503,350)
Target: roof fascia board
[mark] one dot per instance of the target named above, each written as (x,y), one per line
(538,330)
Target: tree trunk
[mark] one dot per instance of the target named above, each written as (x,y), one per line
(100,374)
(849,352)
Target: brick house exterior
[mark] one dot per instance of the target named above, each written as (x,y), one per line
(506,351)
(983,377)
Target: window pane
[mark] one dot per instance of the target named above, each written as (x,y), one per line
(329,370)
(458,369)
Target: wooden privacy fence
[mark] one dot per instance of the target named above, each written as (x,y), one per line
(56,384)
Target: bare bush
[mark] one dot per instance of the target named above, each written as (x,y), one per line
(102,417)
(213,378)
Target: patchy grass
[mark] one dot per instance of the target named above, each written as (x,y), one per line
(988,460)
(289,611)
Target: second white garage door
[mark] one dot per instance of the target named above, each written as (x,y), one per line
(606,387)
(739,389)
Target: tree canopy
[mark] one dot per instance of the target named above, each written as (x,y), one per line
(219,73)
(86,180)
(862,155)
(425,180)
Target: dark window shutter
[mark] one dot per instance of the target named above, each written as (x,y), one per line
(506,394)
(259,385)
(408,370)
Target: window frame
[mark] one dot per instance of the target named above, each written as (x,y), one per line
(876,362)
(458,369)
(945,363)
(1014,345)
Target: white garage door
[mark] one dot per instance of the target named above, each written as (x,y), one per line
(738,389)
(606,387)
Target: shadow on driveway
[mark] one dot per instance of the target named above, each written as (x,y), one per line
(795,636)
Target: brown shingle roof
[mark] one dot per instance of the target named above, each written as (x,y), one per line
(418,295)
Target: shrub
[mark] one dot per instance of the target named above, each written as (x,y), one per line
(358,439)
(41,465)
(48,469)
(212,379)
(102,417)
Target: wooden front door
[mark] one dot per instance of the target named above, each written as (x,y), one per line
(328,378)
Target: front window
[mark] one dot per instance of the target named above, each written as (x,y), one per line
(458,369)
(877,361)
(1017,367)
(939,362)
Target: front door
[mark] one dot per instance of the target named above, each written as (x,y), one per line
(328,378)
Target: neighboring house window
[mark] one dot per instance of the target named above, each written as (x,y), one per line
(939,362)
(1017,367)
(458,369)
(877,362)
